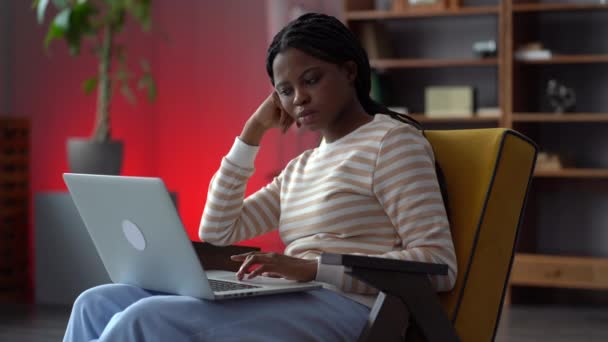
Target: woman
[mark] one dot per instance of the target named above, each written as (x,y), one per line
(370,188)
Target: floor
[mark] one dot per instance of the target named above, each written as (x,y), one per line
(518,324)
(556,324)
(25,324)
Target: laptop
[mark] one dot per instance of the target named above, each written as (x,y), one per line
(141,241)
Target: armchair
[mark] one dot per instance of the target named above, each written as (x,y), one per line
(487,174)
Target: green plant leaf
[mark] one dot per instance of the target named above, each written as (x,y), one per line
(58,27)
(80,25)
(116,14)
(147,82)
(81,18)
(90,84)
(62,20)
(140,10)
(41,6)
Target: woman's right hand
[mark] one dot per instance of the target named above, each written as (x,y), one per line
(270,114)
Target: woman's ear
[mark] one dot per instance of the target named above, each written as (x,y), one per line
(350,67)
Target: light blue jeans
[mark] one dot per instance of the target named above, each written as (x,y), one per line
(119,312)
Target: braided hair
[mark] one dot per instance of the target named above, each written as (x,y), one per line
(326,38)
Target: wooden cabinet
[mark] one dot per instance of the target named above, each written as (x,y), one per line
(562,242)
(560,271)
(14,204)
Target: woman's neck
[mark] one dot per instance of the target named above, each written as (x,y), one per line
(351,118)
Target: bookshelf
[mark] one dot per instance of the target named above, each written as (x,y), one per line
(434,47)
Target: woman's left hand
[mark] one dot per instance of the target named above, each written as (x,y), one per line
(275,264)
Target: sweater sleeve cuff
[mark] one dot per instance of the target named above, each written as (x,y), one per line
(242,155)
(331,274)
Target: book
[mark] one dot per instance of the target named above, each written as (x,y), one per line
(449,101)
(488,112)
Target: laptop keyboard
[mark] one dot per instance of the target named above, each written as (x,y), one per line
(220,286)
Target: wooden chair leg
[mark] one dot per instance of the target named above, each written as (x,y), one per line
(387,320)
(426,310)
(420,301)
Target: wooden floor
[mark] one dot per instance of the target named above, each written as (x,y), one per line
(518,324)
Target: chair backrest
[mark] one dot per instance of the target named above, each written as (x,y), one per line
(487,174)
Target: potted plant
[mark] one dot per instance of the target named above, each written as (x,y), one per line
(98,22)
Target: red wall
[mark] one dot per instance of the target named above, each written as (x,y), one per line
(211,77)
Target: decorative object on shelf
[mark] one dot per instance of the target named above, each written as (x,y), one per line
(423,5)
(488,112)
(101,22)
(532,52)
(552,162)
(14,207)
(449,101)
(485,49)
(561,98)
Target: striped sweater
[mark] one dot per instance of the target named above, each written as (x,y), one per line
(372,192)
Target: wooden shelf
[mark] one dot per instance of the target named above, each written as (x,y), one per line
(538,7)
(431,63)
(570,117)
(572,173)
(462,11)
(568,59)
(474,119)
(559,271)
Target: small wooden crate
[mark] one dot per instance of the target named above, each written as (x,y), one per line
(14,204)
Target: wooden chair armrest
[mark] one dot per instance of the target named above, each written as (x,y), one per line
(383,264)
(406,297)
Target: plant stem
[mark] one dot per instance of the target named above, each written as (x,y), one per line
(104,89)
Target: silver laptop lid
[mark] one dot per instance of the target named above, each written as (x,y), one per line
(138,233)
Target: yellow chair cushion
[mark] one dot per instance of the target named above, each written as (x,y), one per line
(487,174)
